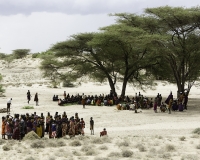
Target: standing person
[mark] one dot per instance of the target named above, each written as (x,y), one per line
(8,105)
(92,126)
(28,96)
(83,100)
(65,95)
(3,128)
(36,99)
(170,105)
(82,126)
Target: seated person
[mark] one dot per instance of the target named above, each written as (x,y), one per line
(163,107)
(103,133)
(61,102)
(55,98)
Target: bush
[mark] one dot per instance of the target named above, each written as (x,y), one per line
(86,148)
(182,138)
(76,153)
(196,131)
(7,147)
(75,143)
(29,158)
(141,148)
(198,146)
(127,153)
(31,136)
(169,148)
(28,107)
(90,152)
(2,141)
(97,140)
(103,147)
(114,154)
(60,143)
(101,158)
(124,144)
(38,144)
(35,55)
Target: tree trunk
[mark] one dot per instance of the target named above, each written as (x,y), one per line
(112,85)
(124,87)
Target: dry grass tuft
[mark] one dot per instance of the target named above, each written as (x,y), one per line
(196,131)
(103,147)
(97,140)
(75,143)
(182,138)
(169,148)
(101,158)
(7,147)
(37,144)
(198,146)
(127,153)
(76,153)
(190,157)
(123,144)
(114,154)
(86,148)
(141,147)
(91,152)
(31,136)
(60,143)
(2,141)
(30,158)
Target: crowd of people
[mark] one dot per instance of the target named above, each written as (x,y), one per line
(57,126)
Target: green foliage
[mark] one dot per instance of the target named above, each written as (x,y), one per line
(20,53)
(36,55)
(28,107)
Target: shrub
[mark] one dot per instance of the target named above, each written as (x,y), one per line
(2,141)
(196,131)
(60,143)
(29,158)
(124,144)
(7,147)
(31,136)
(198,146)
(169,148)
(76,153)
(182,138)
(75,143)
(28,107)
(35,55)
(86,148)
(141,148)
(97,140)
(103,147)
(101,158)
(127,153)
(91,152)
(38,144)
(114,154)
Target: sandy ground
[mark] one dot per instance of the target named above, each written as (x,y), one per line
(146,135)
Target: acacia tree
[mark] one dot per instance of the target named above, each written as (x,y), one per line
(117,53)
(178,43)
(20,53)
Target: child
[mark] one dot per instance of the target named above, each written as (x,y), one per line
(92,126)
(103,133)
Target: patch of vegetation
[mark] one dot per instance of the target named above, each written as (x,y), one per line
(28,107)
(97,140)
(169,148)
(198,146)
(37,144)
(7,147)
(114,154)
(196,131)
(182,138)
(127,153)
(75,143)
(141,147)
(103,147)
(124,144)
(91,152)
(2,141)
(31,136)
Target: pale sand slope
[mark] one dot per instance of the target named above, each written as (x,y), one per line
(148,135)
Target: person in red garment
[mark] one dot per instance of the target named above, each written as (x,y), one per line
(103,133)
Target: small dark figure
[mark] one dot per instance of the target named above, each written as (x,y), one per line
(36,99)
(28,96)
(92,126)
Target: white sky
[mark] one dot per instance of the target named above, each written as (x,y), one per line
(37,24)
